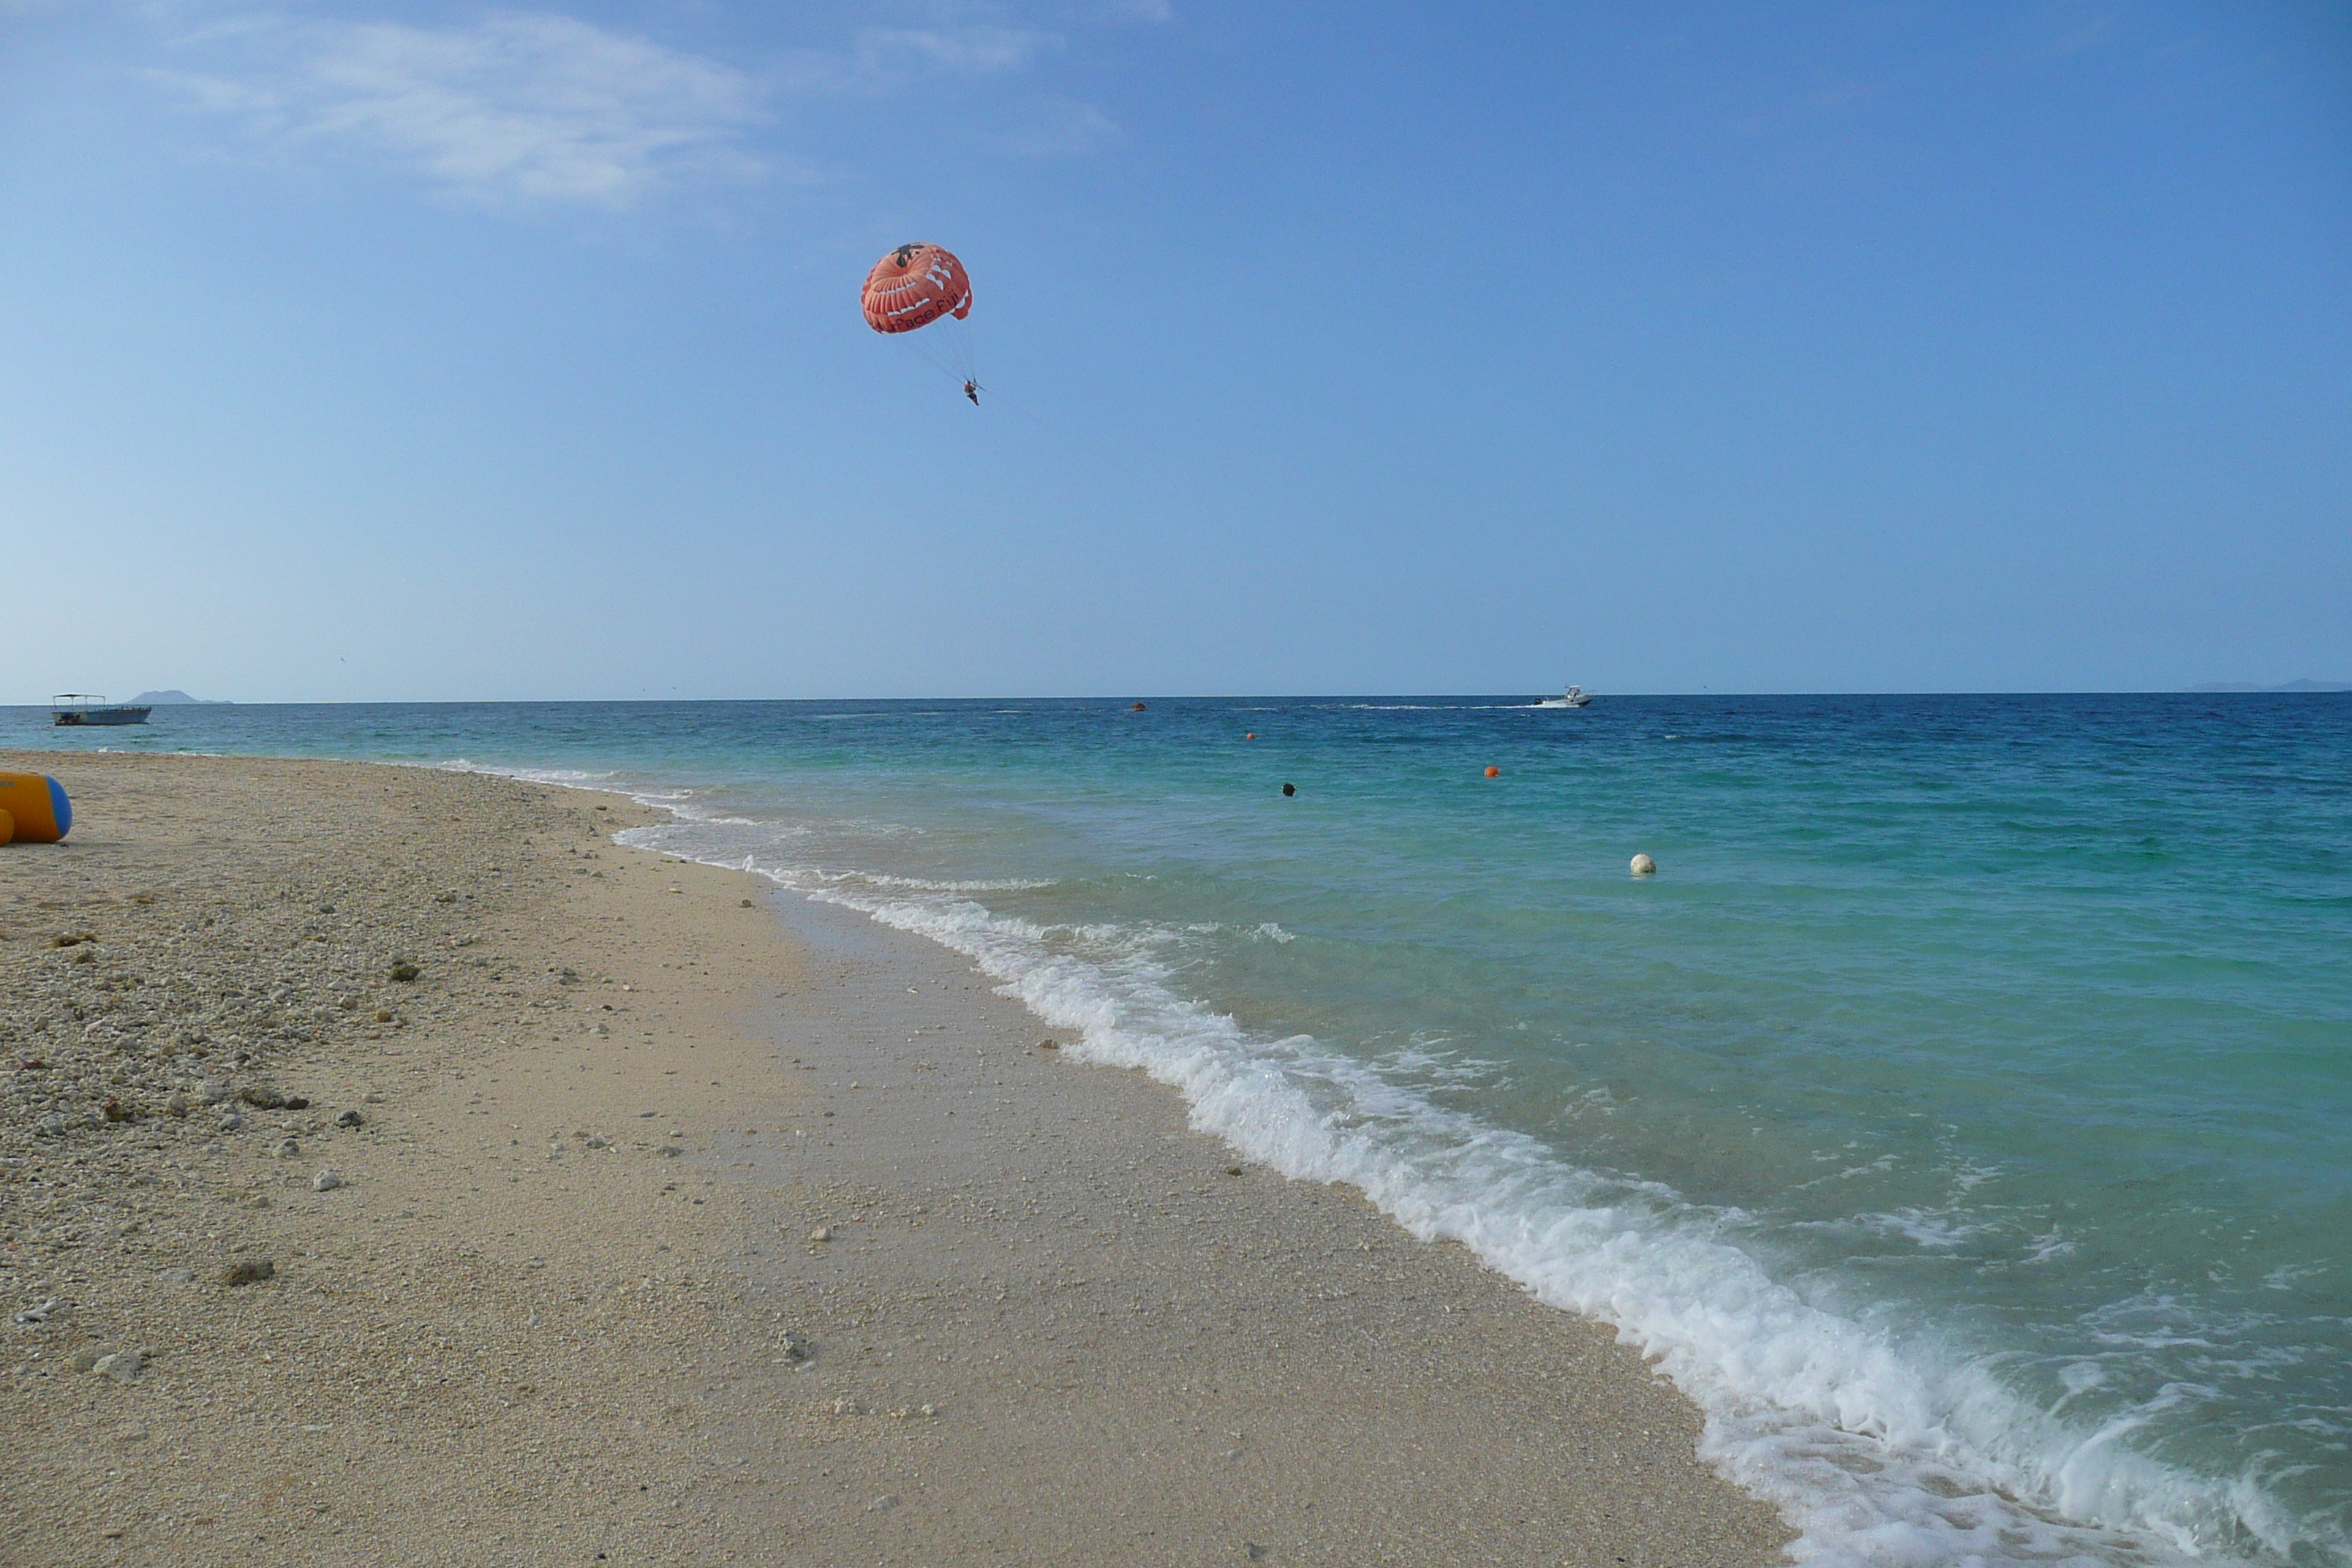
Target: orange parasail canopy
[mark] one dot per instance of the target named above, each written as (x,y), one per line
(914,286)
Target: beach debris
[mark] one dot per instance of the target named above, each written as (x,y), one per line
(1644,867)
(36,1313)
(383,1015)
(1255,1550)
(115,1110)
(597,1143)
(928,1411)
(750,905)
(884,1503)
(847,1407)
(792,1348)
(821,1233)
(261,1096)
(1049,1044)
(1233,1170)
(350,1118)
(325,1181)
(402,971)
(178,1275)
(133,1433)
(670,1151)
(120,1366)
(288,1149)
(248,1271)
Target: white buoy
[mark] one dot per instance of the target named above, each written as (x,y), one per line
(1644,867)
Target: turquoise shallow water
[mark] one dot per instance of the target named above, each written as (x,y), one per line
(1962,1115)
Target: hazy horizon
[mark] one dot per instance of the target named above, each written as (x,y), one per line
(2301,686)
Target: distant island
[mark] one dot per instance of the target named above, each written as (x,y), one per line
(2289,686)
(162,699)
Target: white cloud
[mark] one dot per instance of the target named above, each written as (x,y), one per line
(960,51)
(1059,127)
(1117,11)
(518,107)
(523,108)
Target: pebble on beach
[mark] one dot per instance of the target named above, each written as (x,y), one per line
(248,1271)
(325,1181)
(1644,867)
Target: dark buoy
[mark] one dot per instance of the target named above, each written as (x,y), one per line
(1290,789)
(1137,708)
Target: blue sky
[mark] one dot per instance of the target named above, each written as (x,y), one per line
(404,351)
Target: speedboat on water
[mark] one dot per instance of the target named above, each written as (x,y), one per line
(1574,697)
(73,707)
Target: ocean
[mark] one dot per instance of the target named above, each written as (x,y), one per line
(1962,1116)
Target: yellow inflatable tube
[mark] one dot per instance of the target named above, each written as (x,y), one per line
(7,828)
(36,807)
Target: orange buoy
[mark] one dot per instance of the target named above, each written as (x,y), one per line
(38,808)
(1493,772)
(1252,735)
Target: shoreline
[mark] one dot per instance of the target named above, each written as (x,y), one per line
(566,1302)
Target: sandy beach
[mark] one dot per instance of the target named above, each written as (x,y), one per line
(394,1170)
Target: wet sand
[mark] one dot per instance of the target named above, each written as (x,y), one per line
(684,1226)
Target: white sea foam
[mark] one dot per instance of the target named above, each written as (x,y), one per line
(1880,1450)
